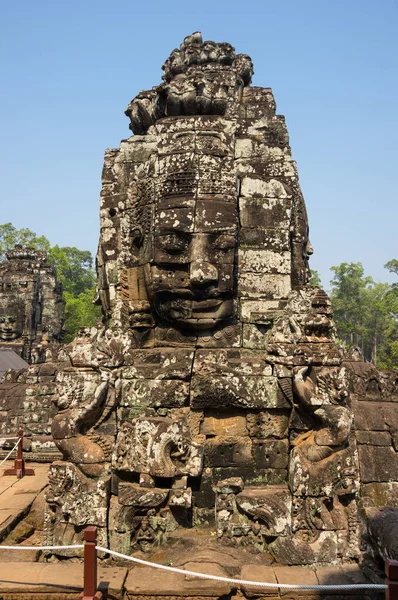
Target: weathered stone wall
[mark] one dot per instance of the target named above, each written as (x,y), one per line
(215,393)
(26,401)
(31,324)
(31,304)
(373,399)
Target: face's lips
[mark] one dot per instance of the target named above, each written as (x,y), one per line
(201,305)
(9,334)
(194,295)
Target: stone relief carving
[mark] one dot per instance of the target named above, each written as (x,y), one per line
(9,329)
(214,392)
(31,304)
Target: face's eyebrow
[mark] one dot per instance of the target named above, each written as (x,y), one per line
(166,230)
(175,202)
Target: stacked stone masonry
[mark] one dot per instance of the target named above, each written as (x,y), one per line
(31,325)
(31,304)
(215,393)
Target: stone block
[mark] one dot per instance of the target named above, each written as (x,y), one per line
(255,336)
(263,261)
(270,454)
(131,494)
(373,438)
(298,576)
(252,187)
(260,311)
(378,463)
(275,240)
(215,215)
(380,493)
(368,416)
(251,475)
(247,392)
(154,393)
(268,423)
(166,363)
(260,573)
(233,362)
(265,213)
(273,286)
(223,424)
(271,505)
(228,451)
(232,485)
(294,550)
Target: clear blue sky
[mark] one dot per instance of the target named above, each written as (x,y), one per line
(69,69)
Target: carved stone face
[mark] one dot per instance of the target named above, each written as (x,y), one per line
(192,275)
(9,329)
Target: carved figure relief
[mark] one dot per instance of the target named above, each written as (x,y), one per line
(215,391)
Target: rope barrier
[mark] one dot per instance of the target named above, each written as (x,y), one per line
(356,586)
(72,547)
(10,452)
(244,582)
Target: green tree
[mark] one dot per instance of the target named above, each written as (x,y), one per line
(74,269)
(348,300)
(315,279)
(80,311)
(10,235)
(365,314)
(392,266)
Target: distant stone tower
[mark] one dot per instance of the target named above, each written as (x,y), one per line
(31,303)
(215,394)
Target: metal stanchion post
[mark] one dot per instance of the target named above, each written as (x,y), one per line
(90,591)
(391,570)
(19,464)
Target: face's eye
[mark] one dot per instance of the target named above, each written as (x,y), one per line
(173,243)
(225,242)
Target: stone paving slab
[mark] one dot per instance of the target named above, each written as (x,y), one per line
(38,578)
(17,495)
(66,580)
(258,573)
(147,581)
(298,576)
(196,586)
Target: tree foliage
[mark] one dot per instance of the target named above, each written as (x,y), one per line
(10,235)
(366,312)
(74,269)
(315,279)
(80,311)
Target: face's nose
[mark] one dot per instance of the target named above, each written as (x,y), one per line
(203,273)
(309,249)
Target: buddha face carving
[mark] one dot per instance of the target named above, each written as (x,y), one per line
(9,329)
(192,275)
(191,254)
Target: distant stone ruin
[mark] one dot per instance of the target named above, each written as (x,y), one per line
(31,325)
(215,394)
(31,304)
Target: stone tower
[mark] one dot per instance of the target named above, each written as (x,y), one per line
(31,303)
(214,395)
